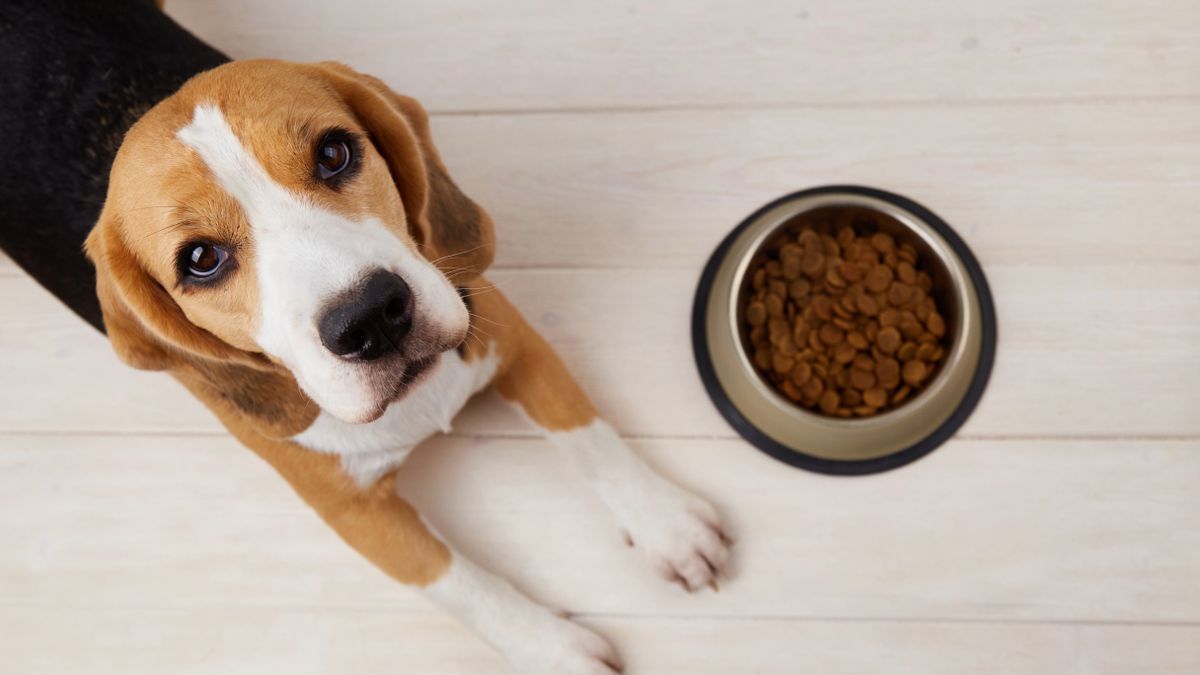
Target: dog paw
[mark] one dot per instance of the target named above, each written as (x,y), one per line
(679,533)
(562,647)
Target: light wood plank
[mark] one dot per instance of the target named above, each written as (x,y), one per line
(979,530)
(60,374)
(1084,350)
(578,54)
(8,268)
(1024,184)
(318,642)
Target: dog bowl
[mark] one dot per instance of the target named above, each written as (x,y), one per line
(813,441)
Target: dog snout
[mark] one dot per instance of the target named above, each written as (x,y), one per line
(369,321)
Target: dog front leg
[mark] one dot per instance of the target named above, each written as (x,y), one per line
(679,533)
(535,640)
(390,533)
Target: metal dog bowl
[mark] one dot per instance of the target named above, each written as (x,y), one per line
(832,445)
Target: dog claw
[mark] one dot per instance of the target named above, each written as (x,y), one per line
(615,665)
(679,579)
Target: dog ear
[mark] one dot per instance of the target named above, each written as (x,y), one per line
(148,330)
(451,229)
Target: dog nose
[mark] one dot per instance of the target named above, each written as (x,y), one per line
(370,321)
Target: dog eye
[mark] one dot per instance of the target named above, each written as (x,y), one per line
(203,260)
(333,156)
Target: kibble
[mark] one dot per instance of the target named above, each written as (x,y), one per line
(840,318)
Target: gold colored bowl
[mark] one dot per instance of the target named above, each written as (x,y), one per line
(828,444)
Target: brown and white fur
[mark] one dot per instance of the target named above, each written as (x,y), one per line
(229,158)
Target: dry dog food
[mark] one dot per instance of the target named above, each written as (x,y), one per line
(842,321)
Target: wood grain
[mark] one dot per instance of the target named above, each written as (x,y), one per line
(980,530)
(1024,184)
(522,54)
(1085,350)
(317,642)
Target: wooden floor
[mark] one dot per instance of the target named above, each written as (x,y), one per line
(615,144)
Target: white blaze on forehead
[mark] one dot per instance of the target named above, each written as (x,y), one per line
(235,169)
(304,255)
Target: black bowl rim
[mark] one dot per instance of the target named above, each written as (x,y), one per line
(841,467)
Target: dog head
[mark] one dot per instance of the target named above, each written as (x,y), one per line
(274,215)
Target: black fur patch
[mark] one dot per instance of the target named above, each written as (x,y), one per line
(77,75)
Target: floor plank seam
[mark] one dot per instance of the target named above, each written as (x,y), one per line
(631,616)
(879,104)
(1057,265)
(894,619)
(532,436)
(536,268)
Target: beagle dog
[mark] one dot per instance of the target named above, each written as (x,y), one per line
(286,242)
